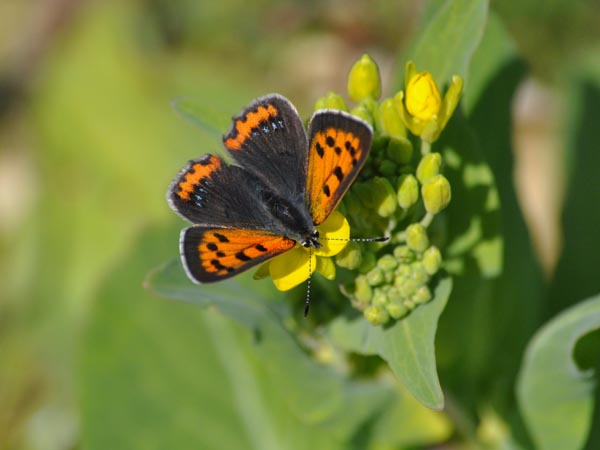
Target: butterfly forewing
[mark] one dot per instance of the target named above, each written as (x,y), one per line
(268,139)
(211,193)
(339,146)
(213,254)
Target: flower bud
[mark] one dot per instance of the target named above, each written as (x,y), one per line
(384,197)
(399,150)
(423,99)
(436,194)
(429,166)
(387,263)
(407,288)
(421,295)
(331,101)
(364,80)
(363,292)
(362,112)
(326,267)
(432,260)
(375,276)
(396,309)
(379,298)
(350,257)
(416,237)
(399,281)
(403,254)
(408,191)
(418,273)
(376,315)
(404,270)
(391,123)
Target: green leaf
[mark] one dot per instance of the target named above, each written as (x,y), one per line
(555,396)
(407,345)
(496,51)
(258,306)
(447,44)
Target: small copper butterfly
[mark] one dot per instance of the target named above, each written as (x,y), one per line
(286,183)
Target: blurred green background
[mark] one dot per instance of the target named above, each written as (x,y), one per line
(89,143)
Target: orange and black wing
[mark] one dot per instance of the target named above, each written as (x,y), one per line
(214,254)
(267,138)
(339,146)
(210,193)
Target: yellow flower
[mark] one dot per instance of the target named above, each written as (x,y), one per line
(421,108)
(291,268)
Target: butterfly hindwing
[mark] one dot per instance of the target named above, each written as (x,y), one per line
(211,193)
(213,254)
(268,139)
(339,146)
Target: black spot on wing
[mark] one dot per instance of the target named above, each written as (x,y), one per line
(338,173)
(220,237)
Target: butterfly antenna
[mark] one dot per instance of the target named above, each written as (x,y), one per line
(375,239)
(307,301)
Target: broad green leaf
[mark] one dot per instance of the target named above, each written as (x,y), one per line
(158,374)
(408,424)
(407,345)
(258,306)
(446,45)
(495,51)
(555,396)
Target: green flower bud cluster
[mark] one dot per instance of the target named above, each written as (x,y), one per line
(397,194)
(397,284)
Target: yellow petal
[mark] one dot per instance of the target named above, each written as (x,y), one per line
(326,267)
(291,268)
(412,123)
(337,229)
(423,99)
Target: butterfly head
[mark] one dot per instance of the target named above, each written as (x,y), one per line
(310,239)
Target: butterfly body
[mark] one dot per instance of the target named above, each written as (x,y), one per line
(285,184)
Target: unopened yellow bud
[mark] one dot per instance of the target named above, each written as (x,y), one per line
(362,112)
(423,99)
(364,80)
(363,291)
(429,166)
(436,194)
(396,309)
(421,295)
(383,196)
(416,237)
(331,101)
(432,260)
(391,122)
(377,315)
(408,191)
(350,257)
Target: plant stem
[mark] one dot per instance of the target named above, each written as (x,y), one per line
(426,221)
(425,147)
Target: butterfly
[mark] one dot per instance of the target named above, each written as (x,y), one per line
(285,183)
